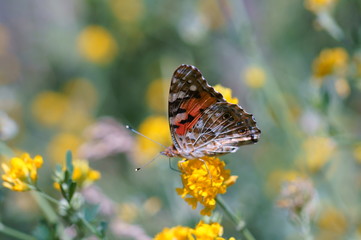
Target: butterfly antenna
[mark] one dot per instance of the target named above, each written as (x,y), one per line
(146,164)
(135,131)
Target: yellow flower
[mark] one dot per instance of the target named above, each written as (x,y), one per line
(61,143)
(332,221)
(203,180)
(156,128)
(317,151)
(208,231)
(49,108)
(211,14)
(83,175)
(342,87)
(357,152)
(152,205)
(128,212)
(128,11)
(204,231)
(319,5)
(96,44)
(330,61)
(227,93)
(254,77)
(21,172)
(157,95)
(178,233)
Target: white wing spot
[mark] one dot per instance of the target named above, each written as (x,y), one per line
(193,87)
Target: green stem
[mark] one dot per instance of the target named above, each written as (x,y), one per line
(48,211)
(89,226)
(330,25)
(240,224)
(14,233)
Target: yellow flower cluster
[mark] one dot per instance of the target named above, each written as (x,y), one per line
(21,172)
(330,61)
(83,175)
(319,5)
(202,231)
(227,93)
(202,180)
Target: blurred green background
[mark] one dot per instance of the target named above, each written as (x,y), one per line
(295,65)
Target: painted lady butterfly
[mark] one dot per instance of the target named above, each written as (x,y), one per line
(202,122)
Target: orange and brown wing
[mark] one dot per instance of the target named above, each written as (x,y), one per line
(189,96)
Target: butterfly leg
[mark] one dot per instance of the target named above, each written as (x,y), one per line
(206,166)
(181,166)
(171,167)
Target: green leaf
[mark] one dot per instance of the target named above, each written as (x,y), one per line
(69,162)
(91,212)
(44,231)
(102,228)
(72,188)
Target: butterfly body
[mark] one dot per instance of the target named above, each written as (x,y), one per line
(202,122)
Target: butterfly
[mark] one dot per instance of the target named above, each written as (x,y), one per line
(202,123)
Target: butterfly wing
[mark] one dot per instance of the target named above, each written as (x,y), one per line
(222,129)
(198,117)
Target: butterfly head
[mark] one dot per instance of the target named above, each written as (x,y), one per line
(170,152)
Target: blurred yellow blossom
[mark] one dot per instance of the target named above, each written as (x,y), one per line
(156,128)
(203,180)
(342,87)
(96,44)
(211,14)
(319,5)
(332,223)
(204,231)
(61,143)
(157,94)
(317,151)
(227,93)
(254,77)
(330,61)
(128,11)
(49,108)
(128,212)
(152,205)
(357,152)
(21,172)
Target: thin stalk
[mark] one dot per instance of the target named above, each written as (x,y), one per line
(41,198)
(14,233)
(89,226)
(239,223)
